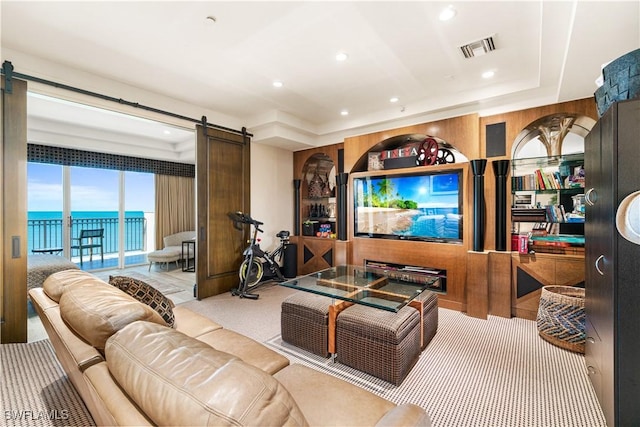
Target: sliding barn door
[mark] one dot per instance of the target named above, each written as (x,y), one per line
(222,181)
(13,212)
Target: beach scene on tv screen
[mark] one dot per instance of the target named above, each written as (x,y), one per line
(419,206)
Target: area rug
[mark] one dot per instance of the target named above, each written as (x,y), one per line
(162,284)
(495,372)
(35,391)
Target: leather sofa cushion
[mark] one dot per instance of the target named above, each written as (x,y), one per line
(329,401)
(178,380)
(193,324)
(54,284)
(96,310)
(247,349)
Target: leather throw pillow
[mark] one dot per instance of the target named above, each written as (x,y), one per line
(147,294)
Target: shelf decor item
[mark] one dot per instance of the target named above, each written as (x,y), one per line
(620,81)
(561,318)
(315,187)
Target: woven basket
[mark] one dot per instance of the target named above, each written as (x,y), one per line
(561,319)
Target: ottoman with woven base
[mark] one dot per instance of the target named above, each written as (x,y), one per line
(304,322)
(429,316)
(164,255)
(381,343)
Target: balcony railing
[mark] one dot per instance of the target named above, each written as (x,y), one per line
(47,233)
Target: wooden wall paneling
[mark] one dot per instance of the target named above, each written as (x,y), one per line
(530,274)
(515,122)
(1,206)
(300,157)
(14,212)
(424,254)
(222,186)
(451,257)
(500,284)
(477,288)
(570,271)
(461,132)
(533,271)
(342,252)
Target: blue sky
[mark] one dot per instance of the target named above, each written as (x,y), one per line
(91,189)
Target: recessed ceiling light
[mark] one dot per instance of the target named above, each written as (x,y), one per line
(488,74)
(447,13)
(344,113)
(341,56)
(394,99)
(277,83)
(166,132)
(210,19)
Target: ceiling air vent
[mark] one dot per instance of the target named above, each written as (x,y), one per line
(478,48)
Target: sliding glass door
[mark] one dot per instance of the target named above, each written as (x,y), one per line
(98,218)
(139,219)
(45,201)
(94,217)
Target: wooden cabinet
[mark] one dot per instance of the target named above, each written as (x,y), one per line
(316,169)
(612,347)
(530,272)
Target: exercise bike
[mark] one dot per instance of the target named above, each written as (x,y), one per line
(258,265)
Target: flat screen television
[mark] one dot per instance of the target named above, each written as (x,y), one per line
(422,206)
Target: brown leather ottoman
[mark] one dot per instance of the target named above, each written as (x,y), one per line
(381,343)
(429,316)
(304,322)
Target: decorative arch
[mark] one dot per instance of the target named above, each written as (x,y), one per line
(552,135)
(447,153)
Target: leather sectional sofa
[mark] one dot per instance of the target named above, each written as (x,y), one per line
(131,368)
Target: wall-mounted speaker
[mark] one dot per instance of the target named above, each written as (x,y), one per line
(496,138)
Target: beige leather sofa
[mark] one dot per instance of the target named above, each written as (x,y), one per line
(132,369)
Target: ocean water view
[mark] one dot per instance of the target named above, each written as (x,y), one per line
(45,229)
(33,215)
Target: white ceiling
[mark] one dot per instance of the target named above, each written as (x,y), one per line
(546,52)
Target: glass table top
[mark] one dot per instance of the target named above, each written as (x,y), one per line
(361,286)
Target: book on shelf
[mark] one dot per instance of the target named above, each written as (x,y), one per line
(542,180)
(556,213)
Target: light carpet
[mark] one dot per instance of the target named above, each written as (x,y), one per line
(35,390)
(495,372)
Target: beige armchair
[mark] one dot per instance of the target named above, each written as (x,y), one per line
(173,242)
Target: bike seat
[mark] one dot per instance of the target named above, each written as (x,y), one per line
(283,234)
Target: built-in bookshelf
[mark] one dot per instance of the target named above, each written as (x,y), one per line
(548,202)
(548,189)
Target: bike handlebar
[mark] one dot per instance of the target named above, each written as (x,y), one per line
(239,217)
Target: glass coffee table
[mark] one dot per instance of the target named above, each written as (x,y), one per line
(350,284)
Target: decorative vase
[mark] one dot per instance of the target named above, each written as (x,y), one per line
(315,187)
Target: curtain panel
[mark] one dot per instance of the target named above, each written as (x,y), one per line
(175,206)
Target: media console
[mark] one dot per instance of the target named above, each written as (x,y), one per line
(411,274)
